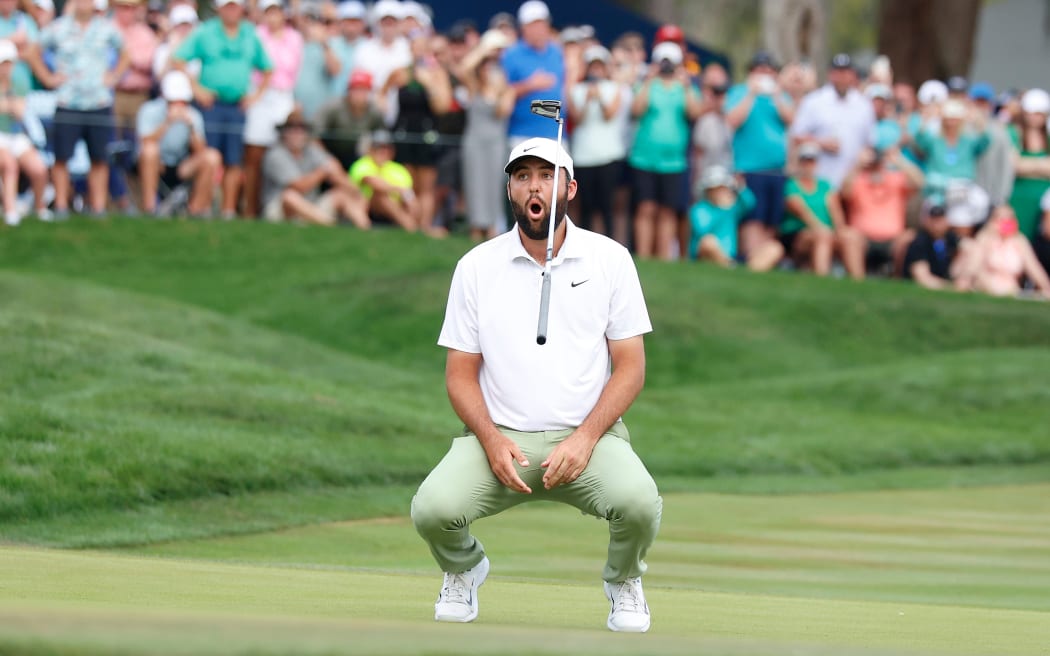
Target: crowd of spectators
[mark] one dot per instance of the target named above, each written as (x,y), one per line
(333,113)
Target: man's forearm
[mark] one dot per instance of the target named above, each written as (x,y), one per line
(464,392)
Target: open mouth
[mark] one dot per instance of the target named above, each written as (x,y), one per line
(535,209)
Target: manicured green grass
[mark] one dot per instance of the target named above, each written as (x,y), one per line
(175,379)
(929,572)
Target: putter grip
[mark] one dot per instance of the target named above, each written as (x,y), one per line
(545,305)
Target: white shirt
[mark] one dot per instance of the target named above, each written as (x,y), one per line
(821,114)
(493,309)
(595,140)
(381,60)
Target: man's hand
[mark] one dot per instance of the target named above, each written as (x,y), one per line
(568,460)
(205,97)
(541,81)
(502,453)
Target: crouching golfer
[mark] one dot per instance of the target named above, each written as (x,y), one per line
(542,422)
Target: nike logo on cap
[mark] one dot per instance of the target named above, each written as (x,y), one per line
(525,150)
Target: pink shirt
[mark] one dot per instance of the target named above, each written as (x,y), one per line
(140,43)
(878,208)
(286,53)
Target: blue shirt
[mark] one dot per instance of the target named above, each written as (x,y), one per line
(175,143)
(313,86)
(760,143)
(520,61)
(83,56)
(344,51)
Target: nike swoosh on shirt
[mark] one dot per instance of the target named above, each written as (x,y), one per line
(577,284)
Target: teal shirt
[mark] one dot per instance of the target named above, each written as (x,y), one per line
(344,50)
(816,201)
(760,143)
(706,218)
(662,141)
(952,162)
(226,64)
(10,25)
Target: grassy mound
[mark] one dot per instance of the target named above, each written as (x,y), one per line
(250,376)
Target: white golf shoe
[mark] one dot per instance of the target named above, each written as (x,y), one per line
(628,612)
(458,599)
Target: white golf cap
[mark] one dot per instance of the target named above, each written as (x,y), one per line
(545,149)
(387,9)
(717,176)
(412,9)
(175,86)
(46,5)
(223,3)
(269,4)
(182,15)
(668,50)
(351,10)
(101,5)
(532,11)
(932,91)
(1035,101)
(494,40)
(878,91)
(8,51)
(596,53)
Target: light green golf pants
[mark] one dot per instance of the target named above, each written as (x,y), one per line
(615,485)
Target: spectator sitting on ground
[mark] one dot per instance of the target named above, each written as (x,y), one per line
(999,258)
(714,220)
(876,192)
(386,184)
(535,69)
(839,118)
(814,227)
(344,121)
(293,172)
(16,150)
(759,114)
(172,146)
(229,51)
(83,44)
(931,259)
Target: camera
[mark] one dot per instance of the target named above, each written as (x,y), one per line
(667,67)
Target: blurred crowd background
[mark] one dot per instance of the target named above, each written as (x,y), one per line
(363,115)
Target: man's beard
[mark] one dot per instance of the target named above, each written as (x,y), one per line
(541,231)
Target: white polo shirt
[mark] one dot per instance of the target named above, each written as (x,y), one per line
(822,113)
(493,309)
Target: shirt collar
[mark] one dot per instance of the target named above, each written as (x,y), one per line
(571,248)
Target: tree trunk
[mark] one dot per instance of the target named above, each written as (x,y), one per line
(928,39)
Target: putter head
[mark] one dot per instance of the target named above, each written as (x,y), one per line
(547,108)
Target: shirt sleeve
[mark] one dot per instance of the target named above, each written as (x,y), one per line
(261,61)
(460,328)
(197,123)
(628,316)
(115,39)
(187,50)
(145,121)
(278,168)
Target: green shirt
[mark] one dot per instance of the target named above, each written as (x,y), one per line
(392,172)
(952,162)
(1027,192)
(816,201)
(662,140)
(226,63)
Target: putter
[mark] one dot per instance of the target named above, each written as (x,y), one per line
(549,109)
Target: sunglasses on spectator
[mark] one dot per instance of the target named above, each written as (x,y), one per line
(718,89)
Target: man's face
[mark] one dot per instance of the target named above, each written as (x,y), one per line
(537,33)
(296,138)
(389,28)
(358,97)
(530,188)
(84,7)
(842,79)
(231,12)
(351,28)
(937,225)
(904,94)
(7,7)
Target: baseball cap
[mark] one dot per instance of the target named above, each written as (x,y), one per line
(982,91)
(494,40)
(932,91)
(669,51)
(878,91)
(953,109)
(501,19)
(223,3)
(412,9)
(545,149)
(809,150)
(132,3)
(46,5)
(8,51)
(571,34)
(269,4)
(532,11)
(1035,101)
(842,61)
(596,53)
(175,87)
(360,79)
(350,10)
(958,84)
(669,32)
(933,206)
(101,5)
(387,9)
(717,176)
(182,15)
(762,58)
